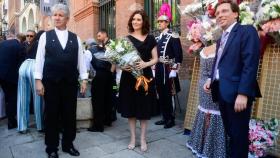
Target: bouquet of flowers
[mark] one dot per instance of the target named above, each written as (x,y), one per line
(268,18)
(199,7)
(246,16)
(262,135)
(203,31)
(122,53)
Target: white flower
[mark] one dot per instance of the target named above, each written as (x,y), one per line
(191,8)
(274,14)
(247,21)
(119,48)
(273,3)
(243,5)
(208,36)
(206,25)
(266,9)
(212,2)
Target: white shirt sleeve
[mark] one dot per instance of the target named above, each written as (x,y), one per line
(87,58)
(40,57)
(81,62)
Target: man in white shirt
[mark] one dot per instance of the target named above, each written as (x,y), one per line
(59,62)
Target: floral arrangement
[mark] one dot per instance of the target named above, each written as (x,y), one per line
(246,16)
(268,18)
(122,53)
(199,8)
(203,31)
(262,135)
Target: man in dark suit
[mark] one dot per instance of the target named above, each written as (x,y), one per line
(233,82)
(102,85)
(11,56)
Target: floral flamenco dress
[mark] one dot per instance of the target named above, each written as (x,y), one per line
(207,138)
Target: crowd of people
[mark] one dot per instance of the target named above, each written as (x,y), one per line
(48,68)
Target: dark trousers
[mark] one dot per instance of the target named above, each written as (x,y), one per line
(165,100)
(60,110)
(114,98)
(10,91)
(102,91)
(236,125)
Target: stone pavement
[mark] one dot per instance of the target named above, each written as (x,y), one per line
(112,143)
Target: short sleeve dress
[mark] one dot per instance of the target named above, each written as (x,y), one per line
(134,103)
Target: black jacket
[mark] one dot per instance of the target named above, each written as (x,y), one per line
(11,57)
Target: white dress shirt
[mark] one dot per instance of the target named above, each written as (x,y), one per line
(62,37)
(87,58)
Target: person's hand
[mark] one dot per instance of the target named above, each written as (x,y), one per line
(163,60)
(113,68)
(240,103)
(126,68)
(83,87)
(40,90)
(206,86)
(140,65)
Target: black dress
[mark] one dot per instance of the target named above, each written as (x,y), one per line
(136,103)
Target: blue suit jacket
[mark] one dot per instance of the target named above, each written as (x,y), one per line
(239,64)
(11,56)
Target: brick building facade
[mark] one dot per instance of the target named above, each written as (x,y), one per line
(86,18)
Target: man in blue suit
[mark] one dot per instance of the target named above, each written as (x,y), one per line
(233,81)
(11,56)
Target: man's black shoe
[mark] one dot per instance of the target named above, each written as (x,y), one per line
(169,124)
(42,131)
(53,155)
(161,122)
(72,151)
(95,129)
(12,124)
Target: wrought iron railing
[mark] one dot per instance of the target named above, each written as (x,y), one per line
(107,12)
(37,2)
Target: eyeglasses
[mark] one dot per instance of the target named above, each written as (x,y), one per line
(29,36)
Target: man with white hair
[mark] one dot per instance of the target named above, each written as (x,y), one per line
(59,62)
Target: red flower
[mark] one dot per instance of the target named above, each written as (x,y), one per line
(211,10)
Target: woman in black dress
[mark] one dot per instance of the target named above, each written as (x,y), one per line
(137,105)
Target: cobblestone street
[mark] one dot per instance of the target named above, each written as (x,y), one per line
(112,143)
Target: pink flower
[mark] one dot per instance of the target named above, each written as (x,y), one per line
(211,10)
(194,47)
(195,32)
(271,26)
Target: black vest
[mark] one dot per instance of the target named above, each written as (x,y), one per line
(61,64)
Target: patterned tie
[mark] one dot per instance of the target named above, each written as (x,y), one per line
(220,52)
